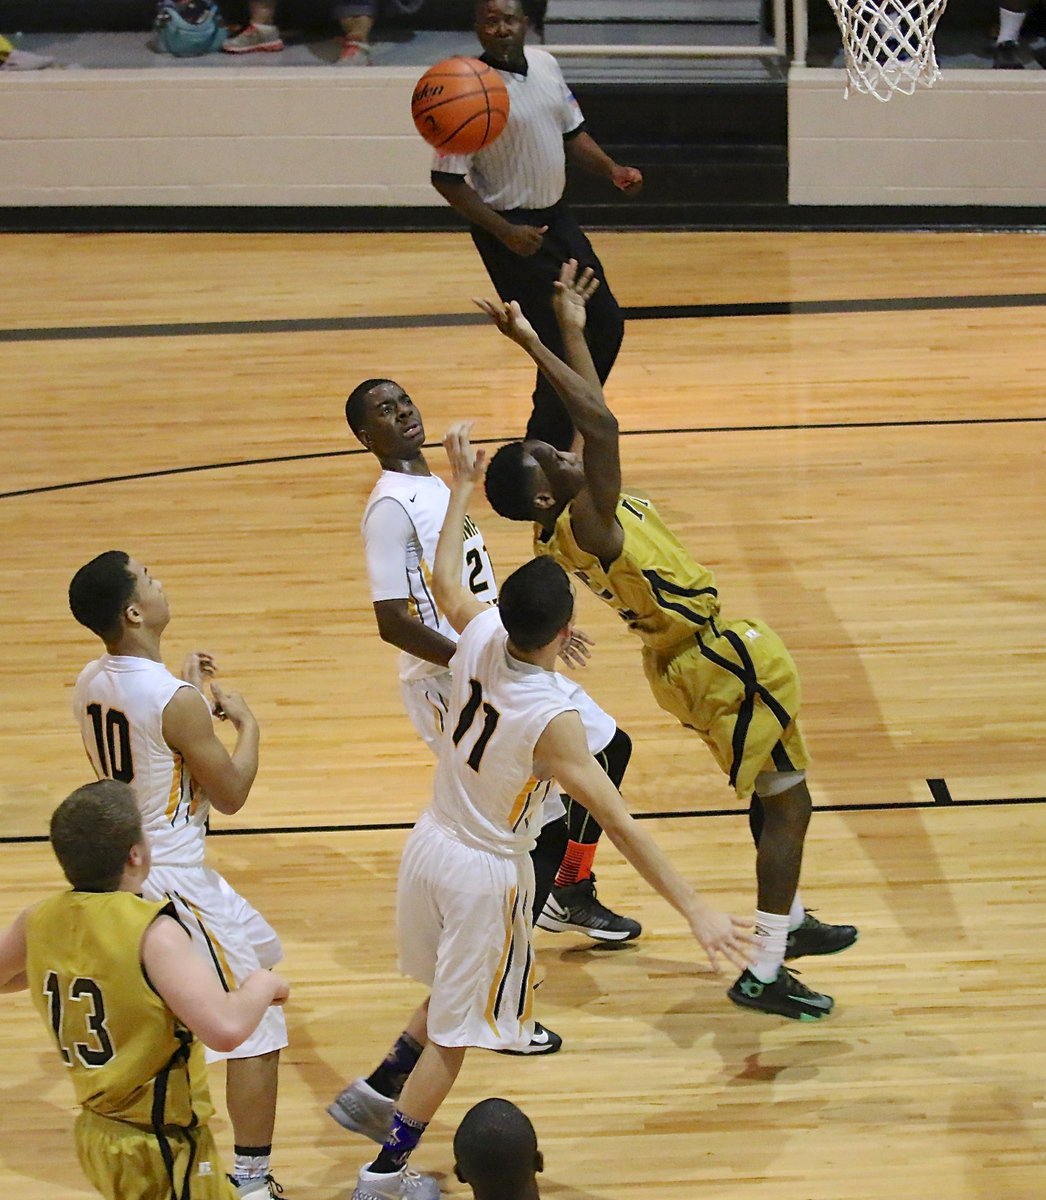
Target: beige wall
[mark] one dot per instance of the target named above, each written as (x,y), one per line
(975,137)
(316,136)
(178,136)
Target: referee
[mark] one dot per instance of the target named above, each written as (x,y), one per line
(513,201)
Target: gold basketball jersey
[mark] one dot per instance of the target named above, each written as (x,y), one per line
(656,587)
(129,1057)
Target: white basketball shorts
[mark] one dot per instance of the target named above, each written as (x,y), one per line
(464,925)
(233,937)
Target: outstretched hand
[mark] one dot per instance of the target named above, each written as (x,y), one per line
(720,933)
(576,652)
(571,292)
(509,319)
(467,465)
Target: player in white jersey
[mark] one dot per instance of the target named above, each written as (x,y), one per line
(401,525)
(463,911)
(153,731)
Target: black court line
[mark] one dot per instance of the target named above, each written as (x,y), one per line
(769,308)
(669,815)
(494,441)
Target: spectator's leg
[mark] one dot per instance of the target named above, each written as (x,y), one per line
(260,35)
(1006,56)
(356,18)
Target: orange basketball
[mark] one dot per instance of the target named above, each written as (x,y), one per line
(460,105)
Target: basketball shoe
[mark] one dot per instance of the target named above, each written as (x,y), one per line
(360,1109)
(576,909)
(544,1041)
(353,54)
(265,1188)
(815,937)
(786,996)
(399,1185)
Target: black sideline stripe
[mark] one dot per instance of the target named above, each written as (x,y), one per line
(668,815)
(662,312)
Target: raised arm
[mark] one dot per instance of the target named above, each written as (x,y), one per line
(562,751)
(188,728)
(578,386)
(191,990)
(457,603)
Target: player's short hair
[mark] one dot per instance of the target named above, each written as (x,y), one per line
(92,832)
(507,483)
(355,410)
(535,603)
(496,1148)
(100,591)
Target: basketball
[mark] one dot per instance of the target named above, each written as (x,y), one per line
(460,105)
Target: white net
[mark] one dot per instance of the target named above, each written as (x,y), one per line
(889,44)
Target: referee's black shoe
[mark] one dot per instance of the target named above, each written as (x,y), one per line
(815,937)
(576,909)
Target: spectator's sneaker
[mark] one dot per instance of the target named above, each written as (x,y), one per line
(360,1109)
(257,1189)
(815,937)
(353,54)
(786,996)
(543,1041)
(1006,57)
(399,1185)
(576,909)
(254,37)
(23,60)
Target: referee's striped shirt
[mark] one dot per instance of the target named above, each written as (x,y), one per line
(525,167)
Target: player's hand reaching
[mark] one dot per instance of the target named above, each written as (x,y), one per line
(198,667)
(230,706)
(510,320)
(571,292)
(467,465)
(721,934)
(576,652)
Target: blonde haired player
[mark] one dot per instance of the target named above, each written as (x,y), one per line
(466,879)
(125,996)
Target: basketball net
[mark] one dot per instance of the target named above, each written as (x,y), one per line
(889,44)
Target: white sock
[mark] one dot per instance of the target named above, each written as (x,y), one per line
(250,1166)
(796,913)
(771,935)
(1009,25)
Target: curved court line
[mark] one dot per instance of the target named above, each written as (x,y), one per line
(694,429)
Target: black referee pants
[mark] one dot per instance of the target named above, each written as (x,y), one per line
(529,281)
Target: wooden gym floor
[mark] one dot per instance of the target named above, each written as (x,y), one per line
(847,427)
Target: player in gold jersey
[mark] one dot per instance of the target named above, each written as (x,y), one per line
(125,996)
(732,682)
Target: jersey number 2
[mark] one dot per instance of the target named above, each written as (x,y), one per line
(113,739)
(491,716)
